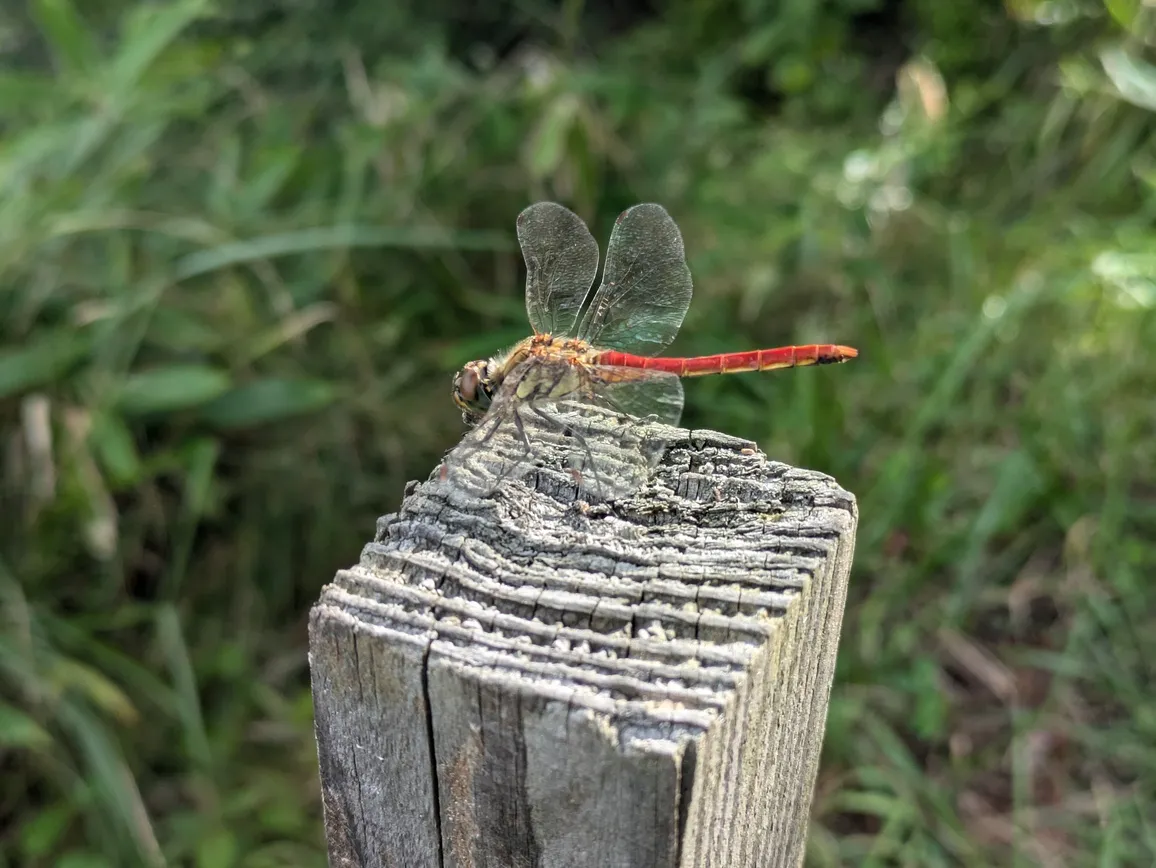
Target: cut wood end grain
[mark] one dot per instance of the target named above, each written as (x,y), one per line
(667,655)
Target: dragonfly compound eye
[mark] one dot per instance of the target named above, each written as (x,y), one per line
(465,387)
(472,391)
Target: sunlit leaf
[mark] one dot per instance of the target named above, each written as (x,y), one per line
(1123,11)
(18,730)
(67,674)
(1135,80)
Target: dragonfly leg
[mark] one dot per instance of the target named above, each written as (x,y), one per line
(568,430)
(494,425)
(522,431)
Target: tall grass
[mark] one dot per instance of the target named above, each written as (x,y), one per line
(241,256)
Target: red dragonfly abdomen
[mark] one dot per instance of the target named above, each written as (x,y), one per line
(730,363)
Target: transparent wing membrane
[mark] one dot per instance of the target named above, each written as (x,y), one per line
(646,285)
(590,425)
(636,392)
(561,264)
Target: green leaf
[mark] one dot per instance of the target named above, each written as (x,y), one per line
(1123,11)
(218,850)
(149,30)
(113,446)
(176,652)
(1134,79)
(95,685)
(873,804)
(107,776)
(269,400)
(177,387)
(24,91)
(66,33)
(202,460)
(337,238)
(931,709)
(268,178)
(178,330)
(41,833)
(47,356)
(18,730)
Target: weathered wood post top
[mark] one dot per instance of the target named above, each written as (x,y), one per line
(525,680)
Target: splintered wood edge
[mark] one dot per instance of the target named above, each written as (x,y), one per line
(529,679)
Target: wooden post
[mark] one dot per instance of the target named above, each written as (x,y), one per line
(527,681)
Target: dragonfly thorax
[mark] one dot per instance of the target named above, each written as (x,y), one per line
(478,381)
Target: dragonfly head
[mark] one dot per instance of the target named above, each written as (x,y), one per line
(474,390)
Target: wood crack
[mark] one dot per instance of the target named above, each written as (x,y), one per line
(644,670)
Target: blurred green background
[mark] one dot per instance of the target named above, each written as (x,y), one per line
(244,246)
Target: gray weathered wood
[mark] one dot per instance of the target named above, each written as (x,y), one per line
(529,680)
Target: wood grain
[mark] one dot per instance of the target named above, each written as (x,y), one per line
(524,679)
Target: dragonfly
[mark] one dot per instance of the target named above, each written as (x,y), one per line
(589,384)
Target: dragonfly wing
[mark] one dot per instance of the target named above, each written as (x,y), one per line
(587,424)
(645,395)
(488,454)
(646,285)
(561,264)
(615,445)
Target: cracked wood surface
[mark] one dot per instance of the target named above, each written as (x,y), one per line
(529,681)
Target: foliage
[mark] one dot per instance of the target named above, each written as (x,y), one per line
(242,252)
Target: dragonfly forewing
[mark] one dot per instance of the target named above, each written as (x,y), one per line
(561,264)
